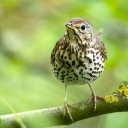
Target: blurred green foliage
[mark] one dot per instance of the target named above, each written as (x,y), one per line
(28,33)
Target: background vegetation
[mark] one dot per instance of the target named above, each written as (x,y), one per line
(29,30)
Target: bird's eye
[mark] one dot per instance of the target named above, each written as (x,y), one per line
(83,27)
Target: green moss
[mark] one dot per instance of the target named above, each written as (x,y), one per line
(123,89)
(111,98)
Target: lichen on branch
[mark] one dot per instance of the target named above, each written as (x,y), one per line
(115,102)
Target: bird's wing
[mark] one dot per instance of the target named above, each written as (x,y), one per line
(61,44)
(101,47)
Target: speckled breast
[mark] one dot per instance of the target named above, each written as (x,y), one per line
(77,66)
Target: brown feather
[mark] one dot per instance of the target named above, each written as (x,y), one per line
(60,43)
(101,47)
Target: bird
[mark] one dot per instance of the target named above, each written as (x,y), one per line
(78,57)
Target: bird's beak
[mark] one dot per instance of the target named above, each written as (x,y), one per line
(69,25)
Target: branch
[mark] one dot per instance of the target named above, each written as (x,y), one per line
(115,102)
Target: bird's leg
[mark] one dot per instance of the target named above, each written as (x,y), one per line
(66,105)
(94,97)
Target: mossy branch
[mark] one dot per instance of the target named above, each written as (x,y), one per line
(115,102)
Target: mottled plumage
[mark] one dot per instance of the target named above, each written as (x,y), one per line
(78,58)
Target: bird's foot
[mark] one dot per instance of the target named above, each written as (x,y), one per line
(94,97)
(66,109)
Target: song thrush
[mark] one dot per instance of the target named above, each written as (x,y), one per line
(78,58)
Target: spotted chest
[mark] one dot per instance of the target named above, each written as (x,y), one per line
(74,65)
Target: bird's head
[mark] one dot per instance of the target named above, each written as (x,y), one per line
(79,28)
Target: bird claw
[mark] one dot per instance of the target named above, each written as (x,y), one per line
(66,108)
(94,97)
